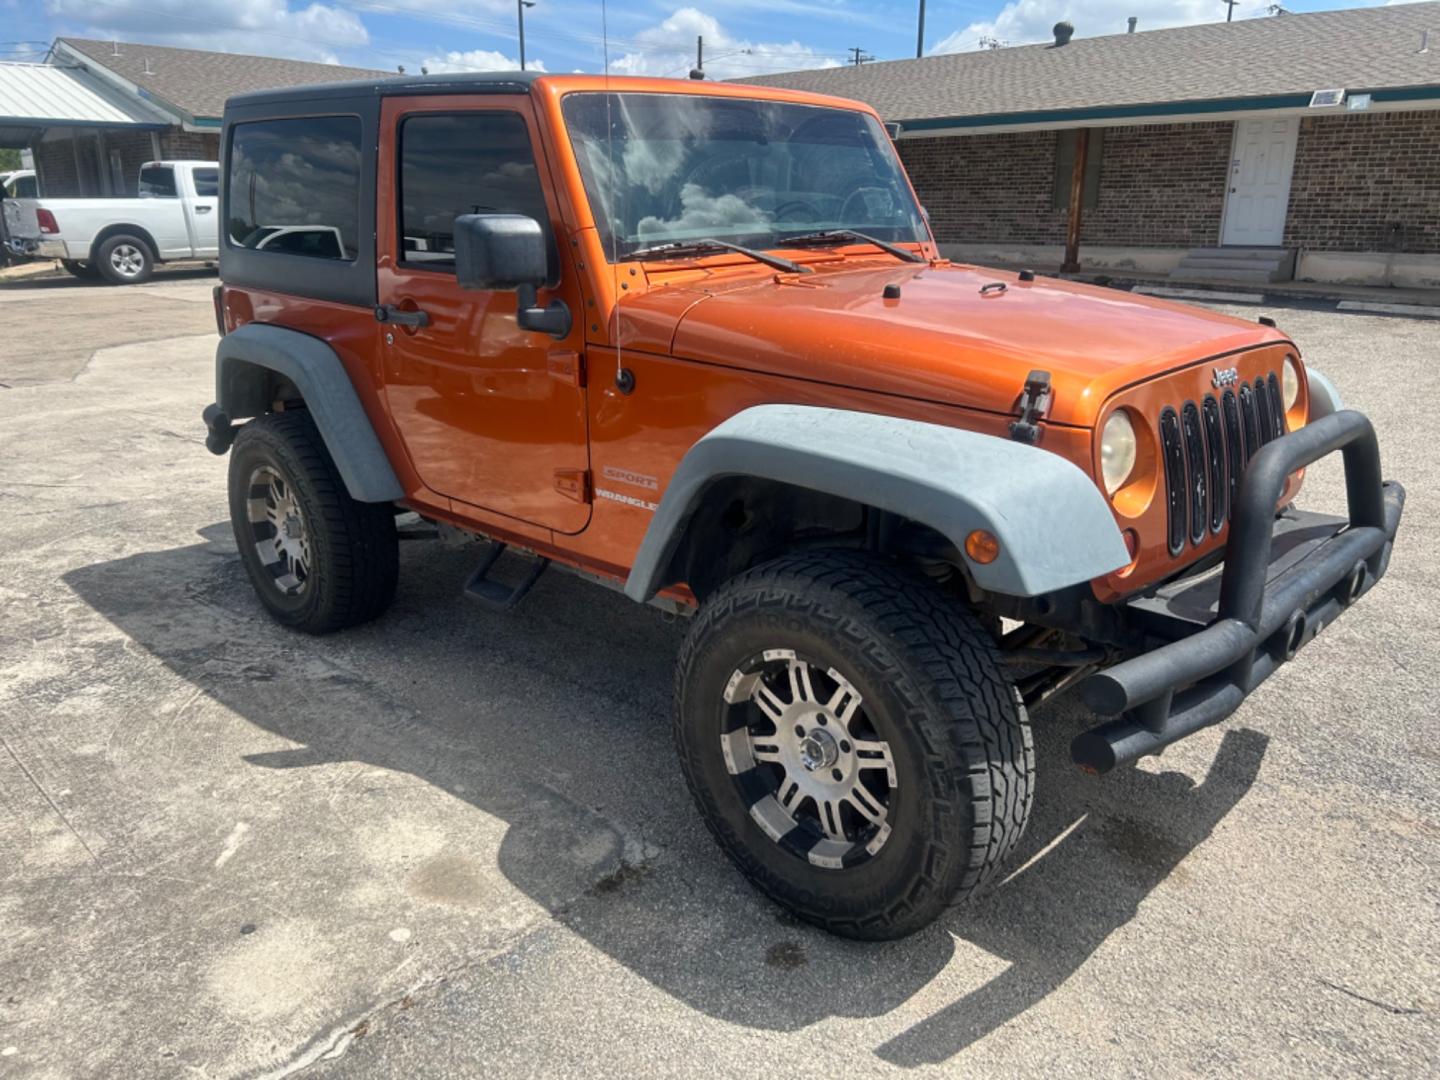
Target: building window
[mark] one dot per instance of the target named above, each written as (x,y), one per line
(472,163)
(1065,169)
(294,187)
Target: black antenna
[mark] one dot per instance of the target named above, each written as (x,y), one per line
(1231,5)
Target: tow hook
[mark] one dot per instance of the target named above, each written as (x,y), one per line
(221,433)
(1034,404)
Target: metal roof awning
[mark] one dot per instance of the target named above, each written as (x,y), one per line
(34,97)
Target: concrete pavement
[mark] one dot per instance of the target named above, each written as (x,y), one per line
(457,843)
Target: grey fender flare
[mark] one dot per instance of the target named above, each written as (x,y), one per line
(244,356)
(1054,527)
(1324,398)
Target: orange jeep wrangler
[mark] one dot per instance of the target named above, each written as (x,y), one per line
(697,342)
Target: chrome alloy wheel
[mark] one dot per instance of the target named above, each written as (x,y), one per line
(277,528)
(127,260)
(817,777)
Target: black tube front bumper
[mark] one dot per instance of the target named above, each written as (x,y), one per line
(1273,599)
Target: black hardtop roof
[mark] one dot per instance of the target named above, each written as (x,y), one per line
(460,82)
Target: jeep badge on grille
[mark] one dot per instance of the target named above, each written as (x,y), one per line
(1225,376)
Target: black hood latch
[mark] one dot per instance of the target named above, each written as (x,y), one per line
(1034,404)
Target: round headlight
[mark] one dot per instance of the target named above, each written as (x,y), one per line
(1117,451)
(1290,382)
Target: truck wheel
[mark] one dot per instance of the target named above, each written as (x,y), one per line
(318,559)
(84,271)
(125,260)
(851,741)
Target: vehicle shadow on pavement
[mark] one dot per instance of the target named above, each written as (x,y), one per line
(689,925)
(64,281)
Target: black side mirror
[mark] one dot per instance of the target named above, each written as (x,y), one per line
(508,251)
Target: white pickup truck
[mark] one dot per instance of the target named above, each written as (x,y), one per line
(121,240)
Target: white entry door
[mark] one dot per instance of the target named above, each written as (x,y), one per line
(1260,168)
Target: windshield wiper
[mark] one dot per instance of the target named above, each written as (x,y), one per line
(839,236)
(699,247)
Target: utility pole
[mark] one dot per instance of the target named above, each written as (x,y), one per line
(860,56)
(1230,8)
(920,33)
(520,6)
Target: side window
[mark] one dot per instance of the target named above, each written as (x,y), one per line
(295,186)
(467,163)
(26,188)
(157,182)
(207,182)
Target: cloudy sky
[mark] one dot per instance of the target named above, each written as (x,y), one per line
(649,37)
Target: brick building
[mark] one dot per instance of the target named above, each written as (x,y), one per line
(1212,151)
(95,111)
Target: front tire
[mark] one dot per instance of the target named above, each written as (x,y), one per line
(852,742)
(319,560)
(125,260)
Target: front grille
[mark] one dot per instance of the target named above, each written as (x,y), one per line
(1206,448)
(1173,454)
(1234,445)
(1194,469)
(1215,461)
(1277,405)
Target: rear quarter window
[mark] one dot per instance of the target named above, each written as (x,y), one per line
(294,187)
(207,182)
(158,182)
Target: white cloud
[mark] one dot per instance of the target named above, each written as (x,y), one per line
(266,27)
(668,50)
(478,60)
(1024,22)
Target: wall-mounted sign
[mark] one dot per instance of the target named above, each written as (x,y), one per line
(1357,102)
(1321,99)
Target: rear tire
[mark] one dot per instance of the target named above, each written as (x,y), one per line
(319,560)
(910,799)
(125,260)
(81,270)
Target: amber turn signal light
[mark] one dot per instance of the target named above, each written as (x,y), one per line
(982,546)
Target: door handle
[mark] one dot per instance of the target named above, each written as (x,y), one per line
(203,209)
(387,313)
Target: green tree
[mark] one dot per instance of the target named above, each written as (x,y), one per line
(9,160)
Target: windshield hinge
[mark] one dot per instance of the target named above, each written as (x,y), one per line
(1034,404)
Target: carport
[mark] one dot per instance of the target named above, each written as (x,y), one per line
(44,103)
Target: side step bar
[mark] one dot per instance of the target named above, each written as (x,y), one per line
(496,595)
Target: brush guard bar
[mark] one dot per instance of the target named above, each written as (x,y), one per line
(1174,690)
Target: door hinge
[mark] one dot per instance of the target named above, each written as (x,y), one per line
(574,484)
(567,365)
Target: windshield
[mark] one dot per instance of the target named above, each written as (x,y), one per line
(661,168)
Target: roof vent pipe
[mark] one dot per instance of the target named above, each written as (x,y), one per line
(1424,40)
(1063,33)
(147,67)
(1131,21)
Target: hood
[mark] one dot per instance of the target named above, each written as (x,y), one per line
(942,340)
